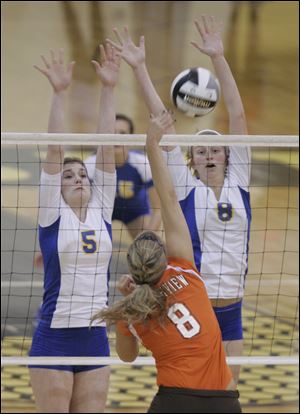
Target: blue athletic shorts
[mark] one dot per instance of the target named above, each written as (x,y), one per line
(126,215)
(230,321)
(77,342)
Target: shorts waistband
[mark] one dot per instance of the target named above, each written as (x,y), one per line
(199,393)
(233,306)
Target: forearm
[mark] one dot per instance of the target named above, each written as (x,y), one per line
(154,220)
(55,153)
(56,121)
(178,241)
(106,125)
(231,95)
(107,114)
(126,346)
(160,174)
(150,96)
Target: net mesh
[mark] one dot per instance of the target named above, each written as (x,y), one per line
(270,307)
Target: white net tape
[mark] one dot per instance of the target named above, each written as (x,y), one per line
(140,140)
(292,360)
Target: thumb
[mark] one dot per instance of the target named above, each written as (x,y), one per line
(96,65)
(197,46)
(142,41)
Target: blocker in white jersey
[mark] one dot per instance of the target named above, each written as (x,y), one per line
(75,239)
(219,228)
(216,201)
(76,255)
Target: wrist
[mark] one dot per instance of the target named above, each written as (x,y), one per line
(140,67)
(107,87)
(217,57)
(59,92)
(152,141)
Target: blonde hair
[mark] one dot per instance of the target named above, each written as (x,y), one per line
(147,262)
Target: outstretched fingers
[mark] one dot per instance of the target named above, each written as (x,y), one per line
(200,28)
(197,46)
(116,57)
(47,64)
(205,23)
(114,44)
(126,33)
(103,55)
(61,56)
(53,57)
(142,42)
(109,51)
(43,71)
(119,37)
(96,65)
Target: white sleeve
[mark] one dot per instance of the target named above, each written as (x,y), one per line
(90,164)
(104,192)
(239,166)
(50,198)
(182,177)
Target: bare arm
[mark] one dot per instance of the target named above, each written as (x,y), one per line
(55,153)
(60,79)
(212,45)
(108,71)
(154,221)
(127,346)
(136,58)
(178,240)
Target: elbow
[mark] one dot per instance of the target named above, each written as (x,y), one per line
(126,356)
(127,352)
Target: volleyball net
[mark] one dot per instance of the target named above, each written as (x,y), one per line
(271,300)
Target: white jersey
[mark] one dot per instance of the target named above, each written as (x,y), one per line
(76,255)
(219,229)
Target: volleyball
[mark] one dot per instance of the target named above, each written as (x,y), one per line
(195,92)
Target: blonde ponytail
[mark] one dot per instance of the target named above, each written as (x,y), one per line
(147,262)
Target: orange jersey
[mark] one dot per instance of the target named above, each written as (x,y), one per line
(188,350)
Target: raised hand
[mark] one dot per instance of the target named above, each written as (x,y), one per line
(132,54)
(210,33)
(159,125)
(59,77)
(108,68)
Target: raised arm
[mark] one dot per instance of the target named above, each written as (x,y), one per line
(212,46)
(108,71)
(59,78)
(178,240)
(154,222)
(135,56)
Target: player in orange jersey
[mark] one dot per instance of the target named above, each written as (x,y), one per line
(161,307)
